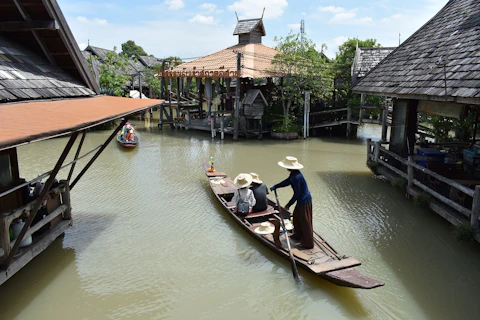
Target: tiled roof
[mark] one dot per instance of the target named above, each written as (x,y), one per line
(366,59)
(447,46)
(256,61)
(246,26)
(25,75)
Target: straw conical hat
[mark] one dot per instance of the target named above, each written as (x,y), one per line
(290,163)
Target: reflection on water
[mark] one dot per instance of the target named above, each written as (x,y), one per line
(150,242)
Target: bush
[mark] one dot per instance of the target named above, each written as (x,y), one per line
(399,183)
(422,199)
(463,231)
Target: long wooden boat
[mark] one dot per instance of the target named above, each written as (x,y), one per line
(323,260)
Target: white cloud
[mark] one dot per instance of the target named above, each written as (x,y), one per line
(94,21)
(250,9)
(209,6)
(331,9)
(202,19)
(393,18)
(294,26)
(174,4)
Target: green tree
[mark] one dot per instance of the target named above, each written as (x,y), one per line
(342,66)
(153,81)
(113,73)
(303,69)
(130,49)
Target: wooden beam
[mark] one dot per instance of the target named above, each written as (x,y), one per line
(29,25)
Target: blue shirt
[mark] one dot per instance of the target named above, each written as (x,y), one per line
(301,194)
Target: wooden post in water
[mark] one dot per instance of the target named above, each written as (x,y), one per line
(349,118)
(369,148)
(67,215)
(237,97)
(212,124)
(384,123)
(475,208)
(377,151)
(222,126)
(410,173)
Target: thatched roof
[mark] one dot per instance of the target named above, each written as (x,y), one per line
(439,62)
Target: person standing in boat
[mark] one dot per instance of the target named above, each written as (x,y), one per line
(243,197)
(302,215)
(260,191)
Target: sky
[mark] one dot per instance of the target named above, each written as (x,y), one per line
(194,28)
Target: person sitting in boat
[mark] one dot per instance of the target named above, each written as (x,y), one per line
(243,197)
(129,136)
(302,215)
(260,191)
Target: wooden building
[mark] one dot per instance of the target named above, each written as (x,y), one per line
(46,91)
(228,73)
(435,71)
(135,68)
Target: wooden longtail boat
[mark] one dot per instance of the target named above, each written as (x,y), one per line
(121,138)
(323,260)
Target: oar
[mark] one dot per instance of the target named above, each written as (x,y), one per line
(292,259)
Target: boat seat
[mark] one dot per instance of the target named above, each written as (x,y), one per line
(267,212)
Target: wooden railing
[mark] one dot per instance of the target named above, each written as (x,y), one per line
(58,206)
(410,171)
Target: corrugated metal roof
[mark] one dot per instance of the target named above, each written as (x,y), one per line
(26,122)
(23,73)
(447,44)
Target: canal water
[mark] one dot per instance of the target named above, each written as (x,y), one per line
(149,241)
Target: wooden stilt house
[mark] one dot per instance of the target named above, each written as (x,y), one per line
(46,91)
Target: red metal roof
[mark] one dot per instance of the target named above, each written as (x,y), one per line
(26,122)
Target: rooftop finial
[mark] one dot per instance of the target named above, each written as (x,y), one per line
(262,13)
(236,15)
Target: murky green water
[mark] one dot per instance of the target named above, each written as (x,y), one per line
(149,241)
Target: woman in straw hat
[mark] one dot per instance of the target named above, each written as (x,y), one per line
(260,191)
(302,215)
(243,197)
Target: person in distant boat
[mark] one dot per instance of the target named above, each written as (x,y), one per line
(302,215)
(129,136)
(243,197)
(260,191)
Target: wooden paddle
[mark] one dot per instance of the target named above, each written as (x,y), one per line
(292,259)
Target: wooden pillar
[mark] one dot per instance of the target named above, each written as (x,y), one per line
(4,239)
(377,151)
(369,148)
(410,173)
(212,125)
(475,208)
(222,126)
(237,99)
(67,215)
(160,117)
(260,131)
(189,121)
(384,123)
(349,118)
(200,98)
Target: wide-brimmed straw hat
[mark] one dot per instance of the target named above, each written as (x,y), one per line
(255,178)
(288,224)
(290,163)
(243,180)
(265,228)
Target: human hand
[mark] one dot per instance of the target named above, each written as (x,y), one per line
(287,208)
(272,188)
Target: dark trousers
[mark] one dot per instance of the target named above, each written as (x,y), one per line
(302,224)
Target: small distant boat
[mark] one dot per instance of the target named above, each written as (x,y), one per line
(127,137)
